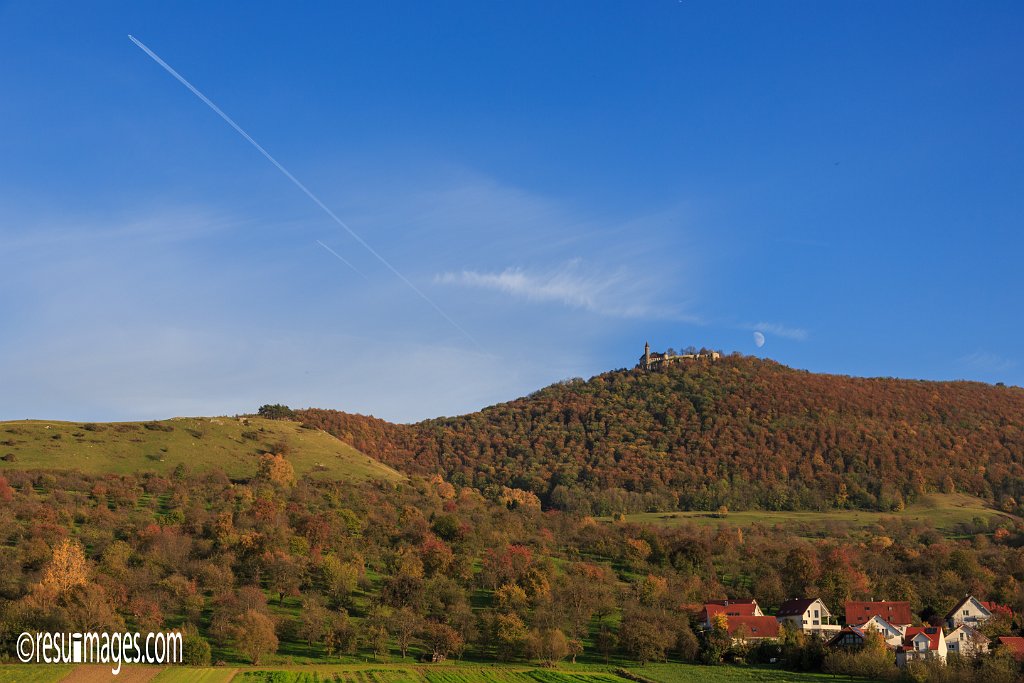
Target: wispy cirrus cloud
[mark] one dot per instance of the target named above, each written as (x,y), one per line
(779,330)
(987,361)
(614,293)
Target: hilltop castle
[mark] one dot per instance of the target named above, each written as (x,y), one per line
(653,361)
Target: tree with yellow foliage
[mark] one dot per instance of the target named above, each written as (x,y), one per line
(66,570)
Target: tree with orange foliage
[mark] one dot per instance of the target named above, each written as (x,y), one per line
(277,470)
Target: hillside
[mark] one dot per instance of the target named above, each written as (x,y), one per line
(230,444)
(741,432)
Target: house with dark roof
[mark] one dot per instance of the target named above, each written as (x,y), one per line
(895,612)
(974,612)
(809,615)
(849,638)
(922,643)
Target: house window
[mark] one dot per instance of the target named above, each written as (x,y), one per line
(815,614)
(967,612)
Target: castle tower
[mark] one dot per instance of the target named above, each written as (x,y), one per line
(647,355)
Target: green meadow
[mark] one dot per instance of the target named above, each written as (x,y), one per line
(943,511)
(232,444)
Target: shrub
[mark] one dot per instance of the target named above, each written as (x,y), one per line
(195,649)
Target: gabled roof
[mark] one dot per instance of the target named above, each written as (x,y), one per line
(932,633)
(1013,644)
(797,606)
(893,611)
(971,632)
(855,630)
(882,624)
(754,627)
(986,606)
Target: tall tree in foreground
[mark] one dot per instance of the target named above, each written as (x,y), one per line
(254,635)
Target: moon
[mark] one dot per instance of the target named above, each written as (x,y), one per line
(758,339)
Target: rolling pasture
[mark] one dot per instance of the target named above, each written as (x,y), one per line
(232,444)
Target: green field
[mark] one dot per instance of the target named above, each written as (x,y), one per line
(680,673)
(233,444)
(427,673)
(943,511)
(34,673)
(183,674)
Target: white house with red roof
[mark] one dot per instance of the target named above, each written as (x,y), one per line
(922,643)
(974,612)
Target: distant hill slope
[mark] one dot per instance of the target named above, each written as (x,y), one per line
(741,432)
(231,444)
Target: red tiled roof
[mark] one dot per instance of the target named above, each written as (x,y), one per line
(729,603)
(733,609)
(896,613)
(1014,644)
(933,633)
(754,627)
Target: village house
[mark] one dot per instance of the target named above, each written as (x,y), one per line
(809,615)
(922,643)
(892,635)
(747,628)
(974,612)
(730,608)
(967,641)
(849,638)
(894,612)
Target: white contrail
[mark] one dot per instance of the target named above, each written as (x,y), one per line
(305,190)
(342,259)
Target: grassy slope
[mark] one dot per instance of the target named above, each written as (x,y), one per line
(943,511)
(129,447)
(34,673)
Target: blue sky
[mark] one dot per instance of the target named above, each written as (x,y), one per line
(564,180)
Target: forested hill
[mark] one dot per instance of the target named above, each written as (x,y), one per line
(741,432)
